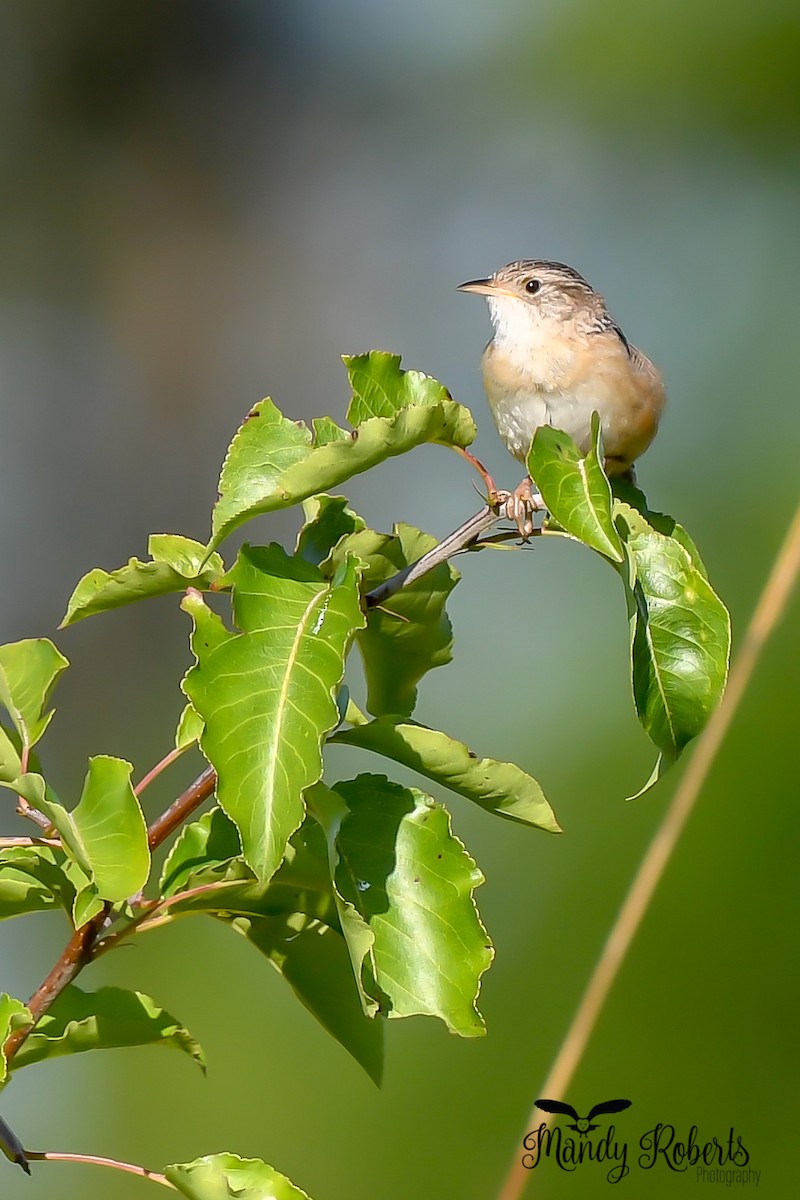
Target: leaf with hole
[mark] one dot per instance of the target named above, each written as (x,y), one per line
(411,882)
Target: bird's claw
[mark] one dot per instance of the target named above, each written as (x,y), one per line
(519,506)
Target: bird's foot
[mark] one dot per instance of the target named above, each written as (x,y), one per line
(519,506)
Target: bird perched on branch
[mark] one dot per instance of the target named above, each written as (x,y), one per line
(556,357)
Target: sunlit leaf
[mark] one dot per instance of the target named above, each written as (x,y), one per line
(211,841)
(228,1177)
(28,671)
(630,494)
(575,488)
(680,635)
(190,726)
(177,563)
(411,882)
(102,1020)
(273,462)
(499,787)
(10,764)
(105,834)
(13,1015)
(267,694)
(381,389)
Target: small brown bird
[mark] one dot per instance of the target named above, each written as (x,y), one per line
(556,357)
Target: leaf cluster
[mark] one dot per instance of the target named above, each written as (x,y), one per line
(357,891)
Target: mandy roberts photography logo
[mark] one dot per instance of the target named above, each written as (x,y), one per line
(583,1125)
(713,1160)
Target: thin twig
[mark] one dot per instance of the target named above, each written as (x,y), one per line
(770,607)
(149,918)
(7,842)
(26,809)
(454,543)
(96,1161)
(155,771)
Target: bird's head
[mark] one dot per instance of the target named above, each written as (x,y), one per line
(534,296)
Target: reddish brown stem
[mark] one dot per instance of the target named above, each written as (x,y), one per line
(183,807)
(6,842)
(74,956)
(96,1161)
(491,490)
(155,771)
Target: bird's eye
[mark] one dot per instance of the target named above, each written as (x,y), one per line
(532,286)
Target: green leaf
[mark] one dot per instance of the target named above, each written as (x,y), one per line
(326,430)
(190,726)
(267,694)
(273,463)
(228,1177)
(28,671)
(13,1015)
(177,563)
(292,921)
(410,633)
(680,634)
(106,833)
(329,810)
(630,494)
(381,389)
(328,520)
(499,787)
(31,880)
(102,1020)
(210,842)
(10,764)
(575,488)
(411,882)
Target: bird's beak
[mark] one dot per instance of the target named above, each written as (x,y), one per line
(481,287)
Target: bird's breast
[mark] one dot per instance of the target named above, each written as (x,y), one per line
(562,384)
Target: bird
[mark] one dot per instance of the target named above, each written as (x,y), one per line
(583,1125)
(556,357)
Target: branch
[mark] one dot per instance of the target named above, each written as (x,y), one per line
(461,538)
(181,808)
(72,959)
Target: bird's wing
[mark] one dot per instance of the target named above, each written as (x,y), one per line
(608,1106)
(557,1106)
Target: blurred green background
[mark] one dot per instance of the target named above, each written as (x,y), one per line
(204,201)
